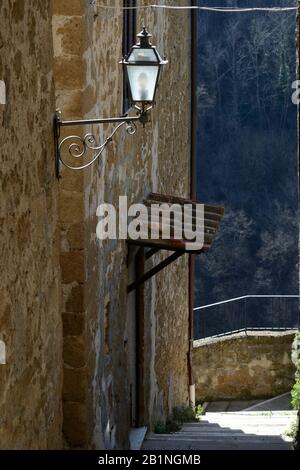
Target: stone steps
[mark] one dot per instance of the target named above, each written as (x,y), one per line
(229,431)
(186,446)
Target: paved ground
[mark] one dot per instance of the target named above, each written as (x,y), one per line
(280,403)
(255,429)
(222,406)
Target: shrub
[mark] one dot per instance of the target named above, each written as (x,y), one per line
(183,414)
(296,395)
(198,412)
(180,415)
(292,431)
(296,359)
(166,428)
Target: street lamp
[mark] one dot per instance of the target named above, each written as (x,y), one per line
(142,67)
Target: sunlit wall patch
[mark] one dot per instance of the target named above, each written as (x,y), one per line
(2,353)
(2,92)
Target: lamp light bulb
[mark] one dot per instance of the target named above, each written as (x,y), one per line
(143,85)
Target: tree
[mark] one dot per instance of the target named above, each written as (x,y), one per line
(247,156)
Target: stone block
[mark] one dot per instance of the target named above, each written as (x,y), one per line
(73,324)
(71,36)
(71,207)
(75,424)
(68,7)
(75,299)
(69,73)
(75,236)
(74,351)
(72,267)
(70,102)
(74,384)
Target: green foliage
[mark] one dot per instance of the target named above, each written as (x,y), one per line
(166,428)
(296,359)
(183,414)
(173,426)
(160,428)
(292,431)
(296,395)
(180,415)
(198,412)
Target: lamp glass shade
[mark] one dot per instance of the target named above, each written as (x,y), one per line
(143,65)
(142,81)
(143,55)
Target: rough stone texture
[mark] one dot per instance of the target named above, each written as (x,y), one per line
(69,73)
(30,319)
(248,367)
(98,314)
(46,226)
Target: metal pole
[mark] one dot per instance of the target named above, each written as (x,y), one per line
(83,122)
(140,333)
(193,185)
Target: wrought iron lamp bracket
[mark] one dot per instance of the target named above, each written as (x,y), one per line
(80,147)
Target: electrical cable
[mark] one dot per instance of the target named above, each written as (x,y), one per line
(195,7)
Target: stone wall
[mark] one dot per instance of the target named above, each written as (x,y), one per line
(99,316)
(30,319)
(69,46)
(243,367)
(66,319)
